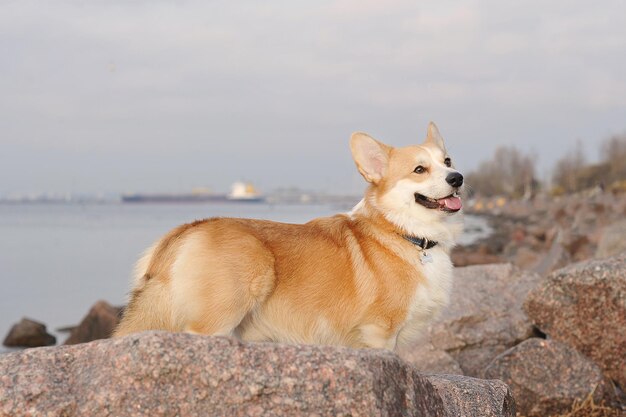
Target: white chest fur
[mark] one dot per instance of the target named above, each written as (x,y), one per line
(430,296)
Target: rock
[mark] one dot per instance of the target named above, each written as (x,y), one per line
(584,306)
(612,240)
(519,234)
(555,258)
(29,333)
(526,258)
(465,256)
(494,397)
(164,374)
(547,376)
(538,231)
(551,235)
(428,358)
(578,220)
(578,245)
(99,323)
(484,318)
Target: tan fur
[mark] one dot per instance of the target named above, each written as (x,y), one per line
(349,279)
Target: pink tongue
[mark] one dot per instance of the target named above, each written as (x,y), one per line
(451,203)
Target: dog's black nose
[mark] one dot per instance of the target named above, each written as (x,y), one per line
(454,179)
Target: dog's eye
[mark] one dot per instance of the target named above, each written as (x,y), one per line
(448,162)
(419,170)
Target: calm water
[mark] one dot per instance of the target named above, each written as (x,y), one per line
(57,260)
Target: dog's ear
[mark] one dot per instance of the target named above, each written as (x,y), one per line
(433,136)
(370,155)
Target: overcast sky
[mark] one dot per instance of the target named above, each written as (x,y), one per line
(115,96)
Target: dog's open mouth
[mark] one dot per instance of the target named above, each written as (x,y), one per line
(449,204)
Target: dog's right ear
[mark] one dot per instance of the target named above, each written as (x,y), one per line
(433,136)
(371,156)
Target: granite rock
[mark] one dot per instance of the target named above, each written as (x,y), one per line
(547,376)
(584,306)
(164,374)
(29,333)
(462,398)
(99,323)
(484,318)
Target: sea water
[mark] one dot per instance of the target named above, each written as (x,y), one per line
(57,260)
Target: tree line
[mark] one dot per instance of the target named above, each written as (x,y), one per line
(513,173)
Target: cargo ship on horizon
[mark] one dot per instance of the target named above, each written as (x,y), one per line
(241,192)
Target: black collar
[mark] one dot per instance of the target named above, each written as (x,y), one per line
(421,242)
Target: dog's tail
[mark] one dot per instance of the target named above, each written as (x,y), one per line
(149,304)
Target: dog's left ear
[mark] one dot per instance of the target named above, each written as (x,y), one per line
(433,136)
(370,155)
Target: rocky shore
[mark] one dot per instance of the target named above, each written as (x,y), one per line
(536,325)
(552,339)
(546,234)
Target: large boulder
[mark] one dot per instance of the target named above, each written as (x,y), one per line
(163,374)
(99,323)
(584,306)
(484,318)
(546,377)
(29,333)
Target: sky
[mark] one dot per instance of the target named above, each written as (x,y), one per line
(110,96)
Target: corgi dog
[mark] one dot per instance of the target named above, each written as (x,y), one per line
(371,278)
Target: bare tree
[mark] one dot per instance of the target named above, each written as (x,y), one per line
(567,169)
(512,173)
(613,153)
(509,172)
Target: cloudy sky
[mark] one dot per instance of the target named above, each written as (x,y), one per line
(114,96)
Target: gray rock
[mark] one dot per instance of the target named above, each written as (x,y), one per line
(547,376)
(612,240)
(165,374)
(29,333)
(584,306)
(484,318)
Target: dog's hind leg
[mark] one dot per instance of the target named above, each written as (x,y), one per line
(148,305)
(218,279)
(148,309)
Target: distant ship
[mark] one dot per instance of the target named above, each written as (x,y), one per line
(243,191)
(240,192)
